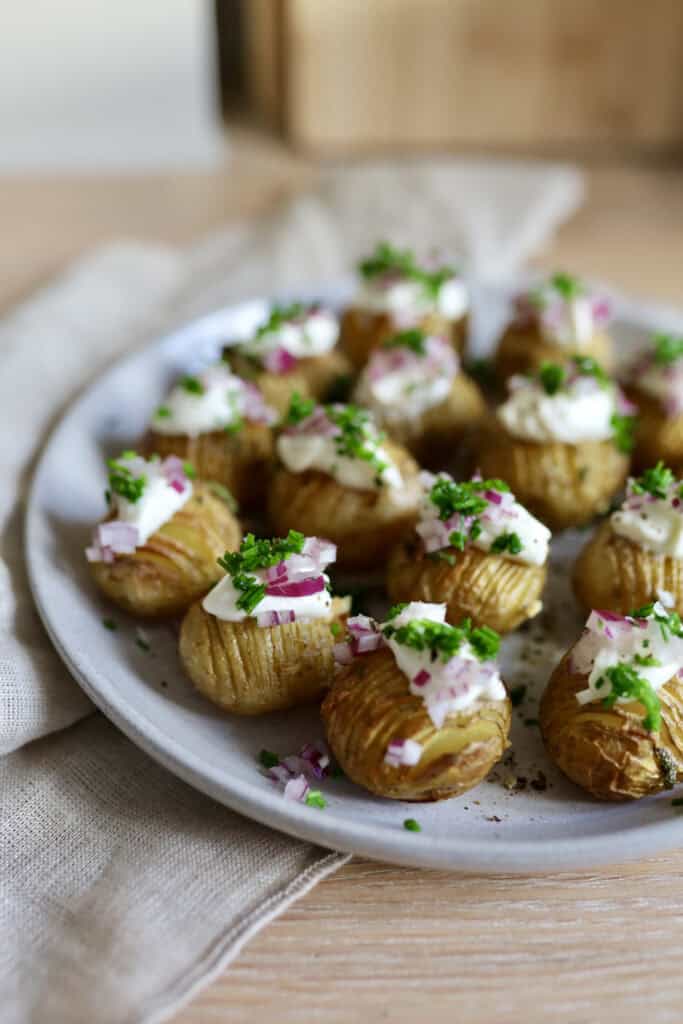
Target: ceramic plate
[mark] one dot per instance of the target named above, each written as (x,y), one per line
(524,818)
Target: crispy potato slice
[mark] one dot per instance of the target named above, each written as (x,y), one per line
(250,670)
(488,588)
(522,350)
(608,752)
(363,331)
(178,564)
(370,705)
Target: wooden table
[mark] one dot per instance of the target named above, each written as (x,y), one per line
(375,942)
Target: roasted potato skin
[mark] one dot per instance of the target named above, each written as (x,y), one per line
(523,350)
(658,436)
(249,670)
(488,588)
(362,332)
(311,378)
(608,752)
(613,573)
(364,525)
(562,484)
(369,705)
(434,436)
(177,565)
(241,461)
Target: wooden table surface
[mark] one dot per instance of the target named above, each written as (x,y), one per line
(375,942)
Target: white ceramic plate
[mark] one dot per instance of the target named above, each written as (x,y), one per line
(548,825)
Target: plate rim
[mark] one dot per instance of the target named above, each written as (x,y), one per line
(498,855)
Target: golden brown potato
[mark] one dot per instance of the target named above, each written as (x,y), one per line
(240,461)
(370,706)
(562,484)
(608,751)
(488,588)
(177,564)
(614,573)
(249,670)
(363,331)
(434,436)
(522,350)
(658,436)
(311,378)
(364,525)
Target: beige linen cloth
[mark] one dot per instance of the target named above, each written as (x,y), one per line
(122,890)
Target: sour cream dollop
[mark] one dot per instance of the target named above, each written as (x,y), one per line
(565,313)
(144,494)
(213,400)
(580,410)
(394,284)
(343,442)
(659,374)
(652,521)
(295,589)
(446,686)
(609,639)
(502,518)
(407,377)
(297,332)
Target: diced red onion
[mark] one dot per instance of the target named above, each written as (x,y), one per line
(297,789)
(403,752)
(279,361)
(359,624)
(280,618)
(298,588)
(366,643)
(342,653)
(422,678)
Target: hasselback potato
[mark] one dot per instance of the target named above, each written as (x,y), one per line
(362,331)
(177,564)
(658,435)
(615,573)
(249,670)
(609,752)
(488,588)
(364,524)
(369,706)
(563,484)
(238,460)
(521,350)
(312,377)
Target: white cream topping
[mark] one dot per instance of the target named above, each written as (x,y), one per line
(398,384)
(653,523)
(313,332)
(158,502)
(407,301)
(315,444)
(567,316)
(446,687)
(580,412)
(214,400)
(222,602)
(610,639)
(503,515)
(665,383)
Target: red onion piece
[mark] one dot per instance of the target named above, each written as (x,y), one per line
(281,618)
(366,643)
(298,588)
(297,789)
(422,678)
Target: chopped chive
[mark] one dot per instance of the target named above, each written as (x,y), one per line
(316,799)
(110,624)
(268,759)
(410,825)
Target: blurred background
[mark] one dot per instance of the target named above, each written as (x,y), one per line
(161,119)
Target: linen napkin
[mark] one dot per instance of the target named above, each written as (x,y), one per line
(122,890)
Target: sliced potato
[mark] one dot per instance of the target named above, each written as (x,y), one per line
(522,350)
(608,752)
(250,670)
(370,705)
(614,573)
(311,378)
(241,461)
(364,525)
(658,436)
(177,564)
(562,484)
(488,588)
(363,331)
(434,437)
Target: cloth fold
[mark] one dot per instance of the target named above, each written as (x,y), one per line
(122,890)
